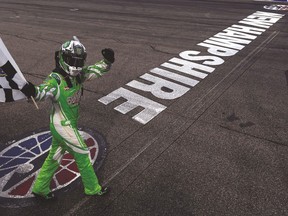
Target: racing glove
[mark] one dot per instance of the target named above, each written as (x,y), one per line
(29,90)
(108,55)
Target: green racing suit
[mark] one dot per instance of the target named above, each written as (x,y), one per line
(63,125)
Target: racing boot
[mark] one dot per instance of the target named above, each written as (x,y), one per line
(49,196)
(103,191)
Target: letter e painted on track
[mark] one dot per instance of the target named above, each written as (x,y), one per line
(151,108)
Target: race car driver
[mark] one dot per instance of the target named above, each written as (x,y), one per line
(64,87)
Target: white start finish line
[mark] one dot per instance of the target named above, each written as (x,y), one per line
(191,67)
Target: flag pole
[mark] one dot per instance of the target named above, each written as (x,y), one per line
(32,98)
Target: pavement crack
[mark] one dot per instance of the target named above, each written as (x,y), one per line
(157,50)
(49,40)
(18,36)
(254,136)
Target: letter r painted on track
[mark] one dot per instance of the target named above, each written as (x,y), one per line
(157,86)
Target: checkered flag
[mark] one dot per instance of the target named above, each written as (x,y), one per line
(11,78)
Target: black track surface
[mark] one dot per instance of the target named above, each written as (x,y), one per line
(221,149)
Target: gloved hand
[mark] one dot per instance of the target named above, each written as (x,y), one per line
(29,90)
(108,55)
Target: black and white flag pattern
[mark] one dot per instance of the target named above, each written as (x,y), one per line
(11,78)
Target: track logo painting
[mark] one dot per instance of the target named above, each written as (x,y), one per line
(21,162)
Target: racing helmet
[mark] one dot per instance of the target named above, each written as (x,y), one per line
(72,57)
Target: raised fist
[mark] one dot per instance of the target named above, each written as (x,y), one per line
(108,54)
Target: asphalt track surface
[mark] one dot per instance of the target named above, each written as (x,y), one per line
(220,149)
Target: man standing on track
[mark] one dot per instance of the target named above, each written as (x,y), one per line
(64,87)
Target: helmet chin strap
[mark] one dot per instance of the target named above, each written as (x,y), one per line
(74,71)
(67,76)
